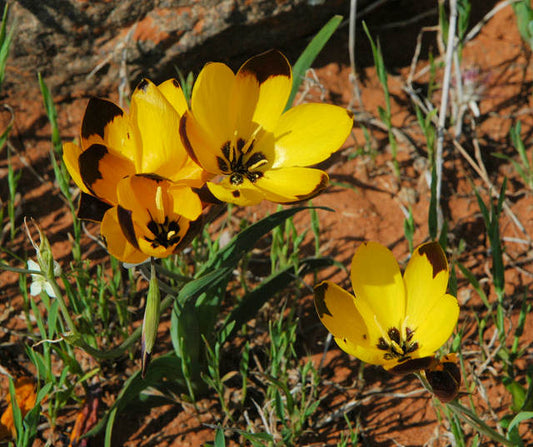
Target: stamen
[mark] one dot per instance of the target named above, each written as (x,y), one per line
(159,203)
(250,143)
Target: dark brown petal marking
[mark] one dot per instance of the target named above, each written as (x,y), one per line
(155,177)
(226,150)
(320,303)
(194,228)
(435,256)
(222,165)
(411,348)
(269,64)
(254,176)
(236,194)
(394,335)
(240,144)
(143,85)
(126,224)
(166,234)
(185,139)
(88,163)
(255,158)
(382,344)
(320,187)
(412,365)
(91,208)
(396,347)
(445,380)
(176,83)
(350,114)
(206,196)
(408,334)
(98,114)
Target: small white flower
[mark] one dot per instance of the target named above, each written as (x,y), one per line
(39,283)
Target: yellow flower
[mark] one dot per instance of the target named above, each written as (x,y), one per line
(394,321)
(236,128)
(155,217)
(139,149)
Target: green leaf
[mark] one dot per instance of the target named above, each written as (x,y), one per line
(475,284)
(517,391)
(243,242)
(5,42)
(51,112)
(524,18)
(220,441)
(256,439)
(253,301)
(196,287)
(310,53)
(520,417)
(17,415)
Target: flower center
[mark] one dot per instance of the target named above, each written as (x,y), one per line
(239,161)
(166,234)
(396,346)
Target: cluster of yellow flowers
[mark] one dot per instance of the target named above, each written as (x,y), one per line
(141,172)
(148,174)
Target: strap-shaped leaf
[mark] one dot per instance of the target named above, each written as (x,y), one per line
(310,53)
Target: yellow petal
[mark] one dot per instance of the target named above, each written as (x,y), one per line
(287,185)
(120,138)
(171,90)
(210,104)
(116,242)
(309,133)
(426,280)
(337,310)
(71,153)
(437,324)
(101,170)
(201,146)
(150,197)
(185,202)
(378,286)
(244,194)
(260,92)
(191,174)
(156,124)
(366,354)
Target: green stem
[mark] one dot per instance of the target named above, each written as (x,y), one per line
(64,309)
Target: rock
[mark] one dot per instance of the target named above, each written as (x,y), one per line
(84,47)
